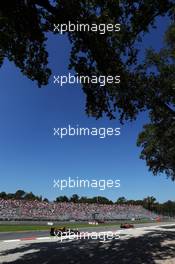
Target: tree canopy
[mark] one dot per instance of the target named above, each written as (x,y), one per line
(146,85)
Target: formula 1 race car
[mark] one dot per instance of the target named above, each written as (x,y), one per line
(125,225)
(62,231)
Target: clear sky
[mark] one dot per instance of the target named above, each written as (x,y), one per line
(31,157)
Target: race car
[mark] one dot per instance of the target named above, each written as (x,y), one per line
(126,225)
(62,231)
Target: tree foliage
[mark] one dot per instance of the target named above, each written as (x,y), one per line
(20,195)
(24,27)
(158,137)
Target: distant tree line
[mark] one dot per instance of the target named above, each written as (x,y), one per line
(22,195)
(149,203)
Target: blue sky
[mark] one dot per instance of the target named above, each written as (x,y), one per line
(31,157)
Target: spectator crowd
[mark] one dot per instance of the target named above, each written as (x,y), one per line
(13,209)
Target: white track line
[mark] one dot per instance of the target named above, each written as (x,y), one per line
(12,240)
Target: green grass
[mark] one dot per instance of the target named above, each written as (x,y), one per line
(18,228)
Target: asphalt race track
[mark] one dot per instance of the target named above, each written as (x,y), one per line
(30,234)
(145,244)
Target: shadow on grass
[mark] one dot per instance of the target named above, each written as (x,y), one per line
(141,250)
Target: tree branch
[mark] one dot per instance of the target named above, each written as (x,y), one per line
(46,5)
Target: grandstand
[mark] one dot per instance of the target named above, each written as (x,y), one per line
(12,209)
